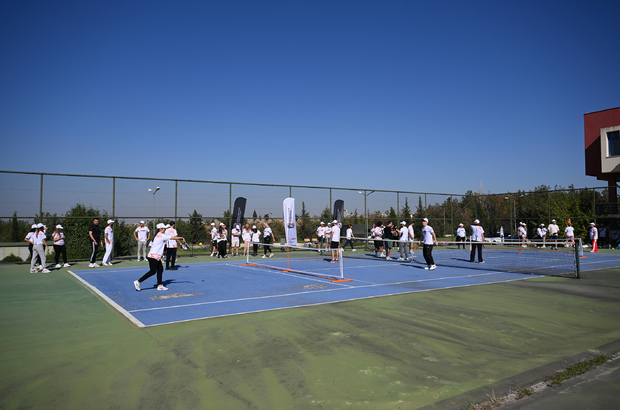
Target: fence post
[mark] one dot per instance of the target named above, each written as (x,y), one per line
(114,198)
(176,185)
(41,201)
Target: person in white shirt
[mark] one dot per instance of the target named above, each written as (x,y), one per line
(222,240)
(594,237)
(554,229)
(234,239)
(213,240)
(377,235)
(144,234)
(403,243)
(320,233)
(247,239)
(30,238)
(460,236)
(428,240)
(171,247)
(268,238)
(522,234)
(542,233)
(39,247)
(109,243)
(60,248)
(328,235)
(154,258)
(477,239)
(335,241)
(569,232)
(411,238)
(350,237)
(255,240)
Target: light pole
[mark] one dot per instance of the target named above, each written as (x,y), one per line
(153,192)
(365,193)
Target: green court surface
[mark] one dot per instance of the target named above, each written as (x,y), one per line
(62,347)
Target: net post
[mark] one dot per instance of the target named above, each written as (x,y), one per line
(577,261)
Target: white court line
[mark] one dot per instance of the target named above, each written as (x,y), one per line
(110,301)
(344,288)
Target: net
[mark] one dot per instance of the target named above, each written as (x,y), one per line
(302,260)
(536,257)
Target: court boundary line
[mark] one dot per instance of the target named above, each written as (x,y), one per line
(112,303)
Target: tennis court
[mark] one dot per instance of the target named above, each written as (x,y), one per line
(215,289)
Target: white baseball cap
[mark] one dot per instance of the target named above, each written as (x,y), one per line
(591,223)
(110,221)
(160,226)
(167,226)
(59,227)
(553,220)
(40,225)
(460,224)
(253,226)
(476,221)
(212,223)
(34,226)
(141,222)
(322,223)
(335,221)
(403,223)
(425,219)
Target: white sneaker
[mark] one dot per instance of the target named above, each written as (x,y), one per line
(433,267)
(388,258)
(95,265)
(264,256)
(382,255)
(353,250)
(162,287)
(33,271)
(271,254)
(136,285)
(90,265)
(66,265)
(58,265)
(212,254)
(427,268)
(45,270)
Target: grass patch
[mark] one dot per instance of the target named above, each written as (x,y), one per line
(576,369)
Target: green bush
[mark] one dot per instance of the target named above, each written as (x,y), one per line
(12,259)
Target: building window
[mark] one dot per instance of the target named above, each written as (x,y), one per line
(613,141)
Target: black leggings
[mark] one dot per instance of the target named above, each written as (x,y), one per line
(221,248)
(171,257)
(156,267)
(427,251)
(93,256)
(255,249)
(266,247)
(472,256)
(58,250)
(460,239)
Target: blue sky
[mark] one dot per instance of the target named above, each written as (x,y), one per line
(405,95)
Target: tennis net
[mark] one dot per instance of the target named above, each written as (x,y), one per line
(536,257)
(298,259)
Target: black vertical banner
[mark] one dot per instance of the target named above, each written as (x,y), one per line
(339,211)
(238,211)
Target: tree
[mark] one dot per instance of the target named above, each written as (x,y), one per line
(196,230)
(392,216)
(305,228)
(405,212)
(420,212)
(77,221)
(254,215)
(326,215)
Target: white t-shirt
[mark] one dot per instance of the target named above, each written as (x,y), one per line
(172,243)
(476,233)
(569,231)
(594,233)
(256,236)
(267,232)
(411,232)
(336,233)
(553,229)
(522,231)
(142,233)
(542,232)
(349,233)
(377,233)
(404,233)
(219,237)
(427,235)
(461,232)
(328,232)
(59,238)
(157,246)
(38,238)
(213,233)
(320,231)
(247,235)
(30,236)
(108,231)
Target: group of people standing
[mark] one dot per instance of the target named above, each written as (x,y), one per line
(37,245)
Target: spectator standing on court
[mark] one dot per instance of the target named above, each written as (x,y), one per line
(602,236)
(269,239)
(387,243)
(247,239)
(594,237)
(143,235)
(477,239)
(411,238)
(460,236)
(30,239)
(255,240)
(222,239)
(213,240)
(109,243)
(542,233)
(235,234)
(328,235)
(171,247)
(60,248)
(39,247)
(94,235)
(554,229)
(522,234)
(350,237)
(569,232)
(377,235)
(403,243)
(428,240)
(154,258)
(320,233)
(615,239)
(335,241)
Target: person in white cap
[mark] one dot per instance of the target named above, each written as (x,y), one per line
(461,236)
(350,238)
(594,237)
(477,239)
(109,244)
(569,232)
(143,235)
(542,233)
(213,240)
(428,240)
(328,234)
(255,240)
(334,243)
(154,258)
(411,230)
(235,235)
(222,239)
(60,248)
(522,234)
(30,239)
(94,234)
(171,247)
(268,238)
(403,243)
(554,229)
(320,233)
(39,247)
(247,239)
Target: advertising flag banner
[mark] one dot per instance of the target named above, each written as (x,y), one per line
(238,212)
(290,225)
(339,211)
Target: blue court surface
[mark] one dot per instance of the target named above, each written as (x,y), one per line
(215,289)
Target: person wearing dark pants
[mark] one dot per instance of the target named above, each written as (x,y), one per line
(171,247)
(477,239)
(268,239)
(94,234)
(460,236)
(429,239)
(59,246)
(154,258)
